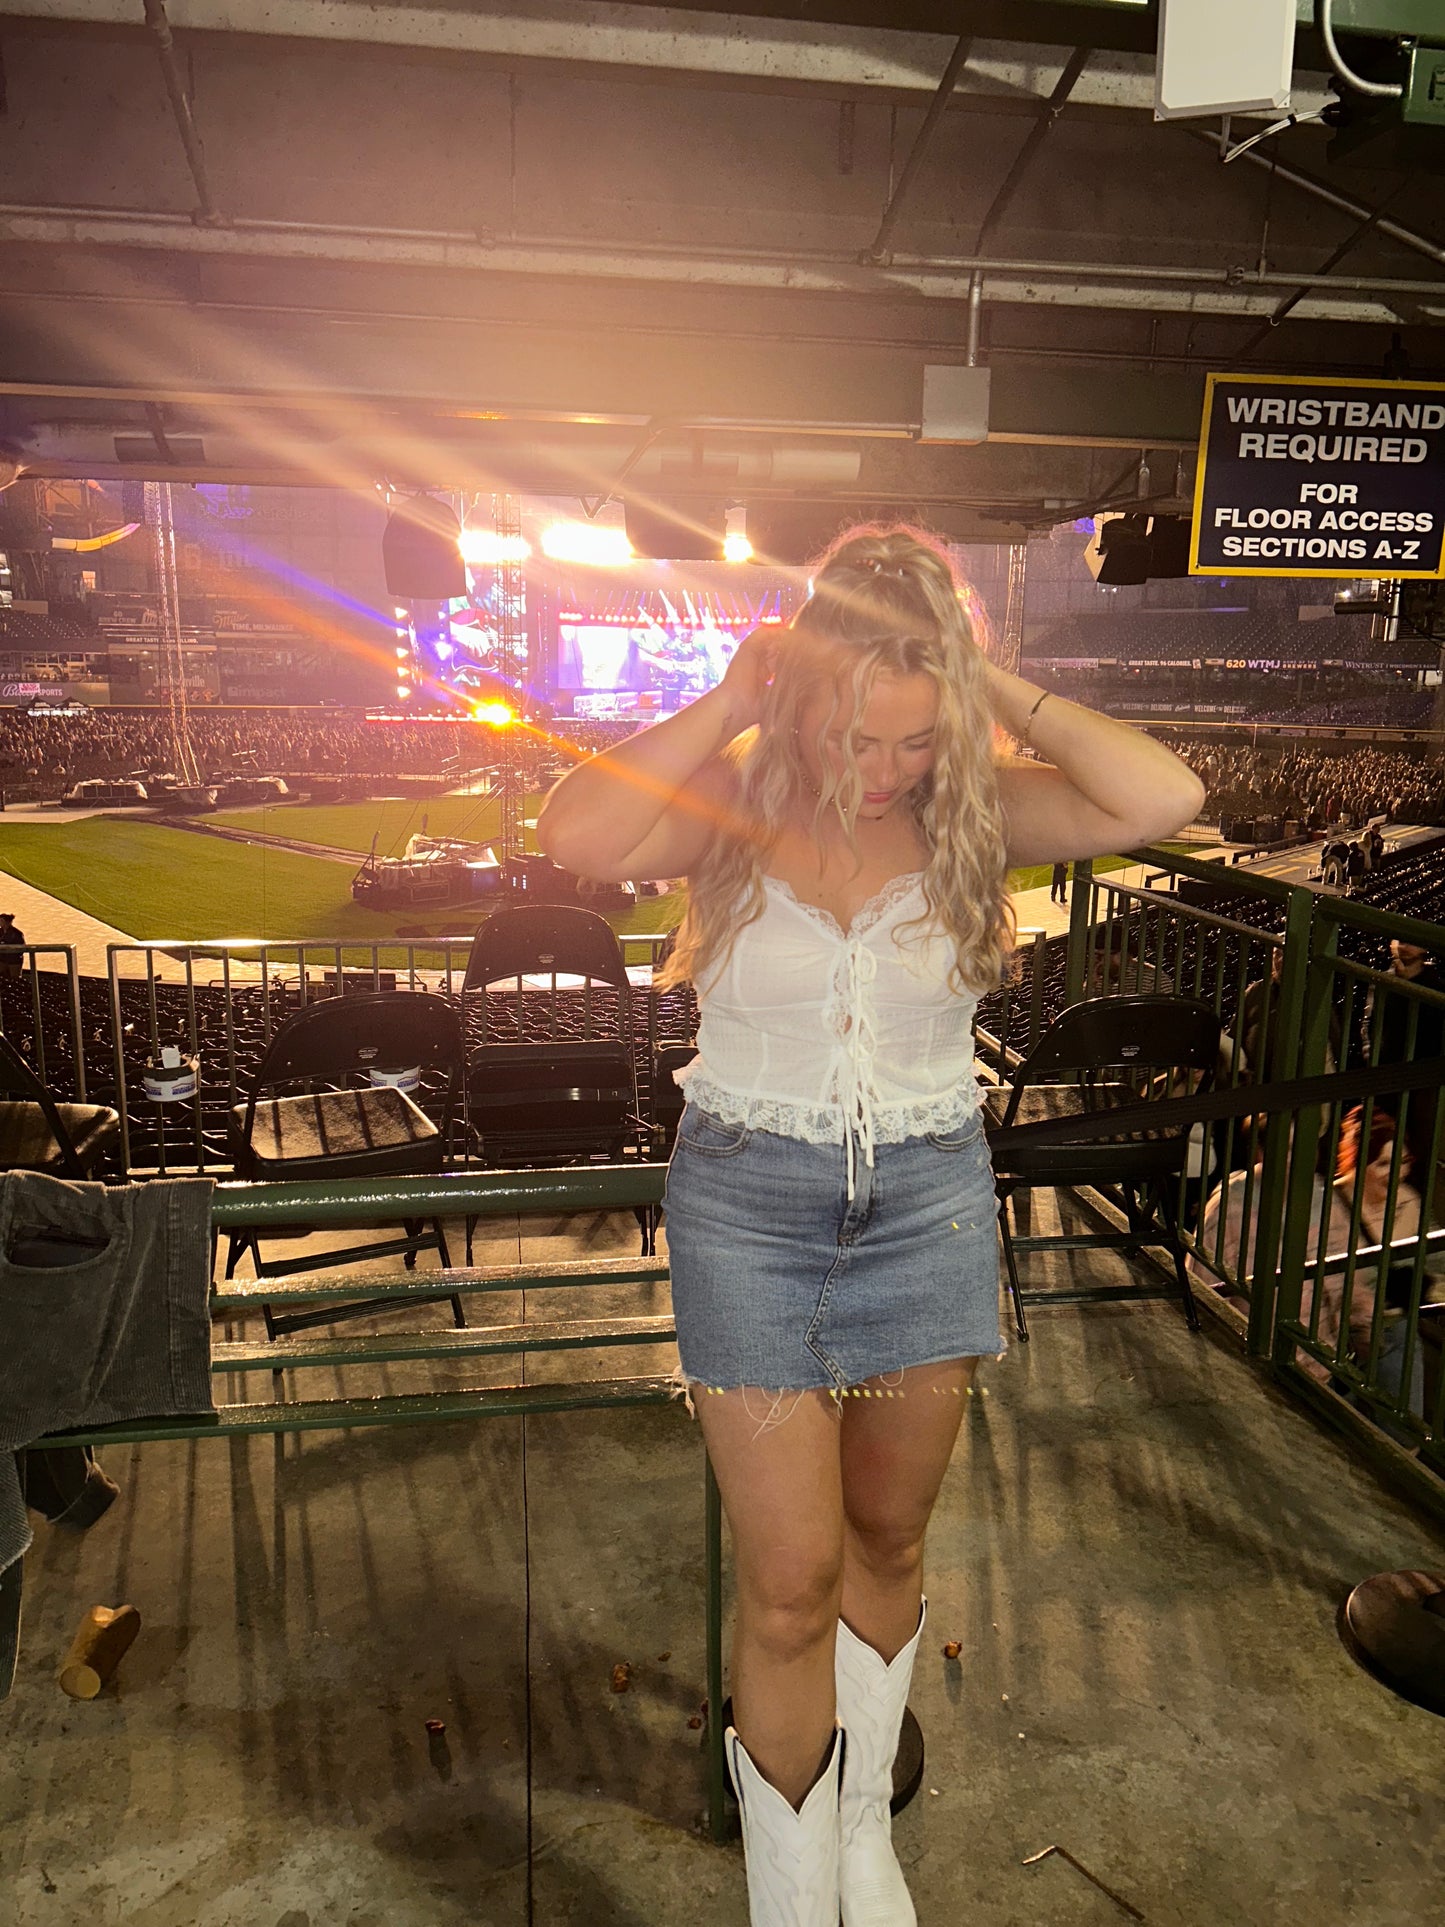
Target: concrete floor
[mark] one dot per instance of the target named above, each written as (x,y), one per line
(1140,1548)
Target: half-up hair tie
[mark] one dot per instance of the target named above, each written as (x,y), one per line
(875,565)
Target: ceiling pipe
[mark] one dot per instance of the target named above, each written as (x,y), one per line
(1307,184)
(561,462)
(975,315)
(943,276)
(160,27)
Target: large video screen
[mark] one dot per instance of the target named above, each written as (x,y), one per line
(671,662)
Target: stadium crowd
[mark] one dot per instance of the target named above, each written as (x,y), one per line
(1317,786)
(1357,698)
(45,755)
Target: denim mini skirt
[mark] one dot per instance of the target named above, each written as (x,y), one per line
(780,1281)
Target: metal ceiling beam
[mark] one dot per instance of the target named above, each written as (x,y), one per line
(1352,240)
(159,25)
(957,61)
(1321,191)
(1049,112)
(902,57)
(1061,283)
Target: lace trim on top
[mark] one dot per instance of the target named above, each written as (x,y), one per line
(854,1118)
(823,1123)
(873,911)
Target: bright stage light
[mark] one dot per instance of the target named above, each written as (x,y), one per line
(403,689)
(400,614)
(497,714)
(402,651)
(737,548)
(485,549)
(585,542)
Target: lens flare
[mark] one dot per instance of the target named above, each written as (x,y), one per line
(485,549)
(586,543)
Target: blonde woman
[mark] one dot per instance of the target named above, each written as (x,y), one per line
(846,826)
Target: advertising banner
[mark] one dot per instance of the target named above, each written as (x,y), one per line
(1304,475)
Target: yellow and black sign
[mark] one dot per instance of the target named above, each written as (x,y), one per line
(1308,475)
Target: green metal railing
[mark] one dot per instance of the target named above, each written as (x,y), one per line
(1330,1268)
(40,1014)
(354,1203)
(1361,1276)
(221,1002)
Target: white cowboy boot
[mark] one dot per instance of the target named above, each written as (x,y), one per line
(871,1699)
(792,1857)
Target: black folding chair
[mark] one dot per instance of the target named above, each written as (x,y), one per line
(1099,1055)
(38,1133)
(353,1121)
(569,1094)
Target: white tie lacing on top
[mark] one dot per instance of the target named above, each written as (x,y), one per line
(853,1018)
(818,1034)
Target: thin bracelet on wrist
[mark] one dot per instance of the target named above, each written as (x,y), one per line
(1026,735)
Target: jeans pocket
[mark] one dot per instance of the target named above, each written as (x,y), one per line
(52,1248)
(962,1136)
(710,1136)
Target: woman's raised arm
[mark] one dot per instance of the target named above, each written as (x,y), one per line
(1110,787)
(650,806)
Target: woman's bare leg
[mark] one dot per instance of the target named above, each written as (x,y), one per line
(895,1452)
(776,1460)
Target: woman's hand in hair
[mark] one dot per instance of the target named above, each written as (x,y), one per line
(746,680)
(1101,787)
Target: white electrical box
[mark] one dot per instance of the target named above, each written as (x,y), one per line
(955,404)
(1223,57)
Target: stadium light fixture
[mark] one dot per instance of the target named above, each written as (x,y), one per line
(497,714)
(737,548)
(586,543)
(485,549)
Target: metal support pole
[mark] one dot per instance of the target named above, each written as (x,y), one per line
(1081,909)
(1049,111)
(1407,237)
(1291,301)
(160,516)
(957,61)
(975,315)
(716,1758)
(511,667)
(1011,642)
(160,26)
(1284,1062)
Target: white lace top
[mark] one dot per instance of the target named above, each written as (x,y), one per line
(830,1036)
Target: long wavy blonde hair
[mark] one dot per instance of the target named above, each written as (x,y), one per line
(885,601)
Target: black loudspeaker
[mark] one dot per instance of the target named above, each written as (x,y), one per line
(132,501)
(419,552)
(793,533)
(691,531)
(1119,553)
(1169,546)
